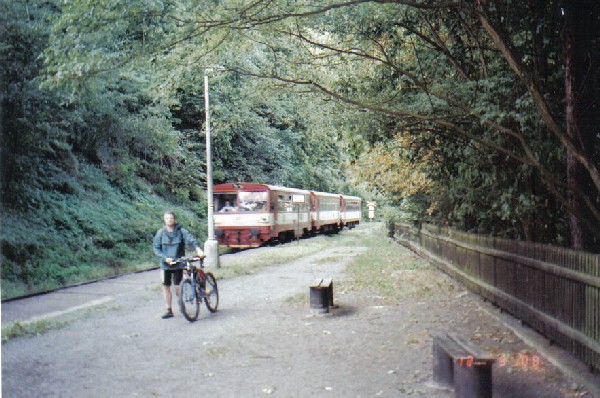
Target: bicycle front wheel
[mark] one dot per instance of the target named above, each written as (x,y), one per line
(211,293)
(189,303)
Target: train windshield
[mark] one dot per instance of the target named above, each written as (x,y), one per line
(241,202)
(225,202)
(253,201)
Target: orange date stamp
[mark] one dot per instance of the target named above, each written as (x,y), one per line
(520,361)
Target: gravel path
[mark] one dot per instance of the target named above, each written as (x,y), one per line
(264,341)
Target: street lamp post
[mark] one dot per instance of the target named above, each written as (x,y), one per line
(211,246)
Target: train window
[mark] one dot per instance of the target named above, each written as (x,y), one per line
(329,204)
(253,201)
(225,202)
(285,203)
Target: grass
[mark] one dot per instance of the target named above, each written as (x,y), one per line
(18,329)
(280,254)
(387,270)
(38,327)
(297,299)
(327,260)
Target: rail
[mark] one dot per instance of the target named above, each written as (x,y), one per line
(554,290)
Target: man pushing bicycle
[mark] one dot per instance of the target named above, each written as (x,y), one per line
(169,243)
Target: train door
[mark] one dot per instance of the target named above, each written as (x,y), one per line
(314,212)
(342,211)
(274,209)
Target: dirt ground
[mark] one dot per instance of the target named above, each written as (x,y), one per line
(265,341)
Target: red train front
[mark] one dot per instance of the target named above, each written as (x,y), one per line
(248,215)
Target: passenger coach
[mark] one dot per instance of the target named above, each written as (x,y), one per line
(325,212)
(350,211)
(249,215)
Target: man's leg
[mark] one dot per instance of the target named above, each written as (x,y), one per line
(168,296)
(166,281)
(177,277)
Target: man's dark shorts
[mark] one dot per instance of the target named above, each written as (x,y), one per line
(167,274)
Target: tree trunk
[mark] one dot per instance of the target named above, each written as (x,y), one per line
(581,112)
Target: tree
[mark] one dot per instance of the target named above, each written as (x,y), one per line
(33,147)
(429,47)
(582,59)
(483,78)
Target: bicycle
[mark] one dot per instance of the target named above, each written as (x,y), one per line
(196,286)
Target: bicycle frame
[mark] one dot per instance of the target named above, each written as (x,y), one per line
(202,287)
(195,274)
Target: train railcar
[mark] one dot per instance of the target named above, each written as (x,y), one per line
(325,212)
(249,215)
(351,211)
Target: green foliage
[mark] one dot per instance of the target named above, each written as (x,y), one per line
(261,133)
(96,232)
(435,74)
(34,154)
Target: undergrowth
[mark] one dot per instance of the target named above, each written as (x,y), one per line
(90,231)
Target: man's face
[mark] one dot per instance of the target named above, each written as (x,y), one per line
(169,220)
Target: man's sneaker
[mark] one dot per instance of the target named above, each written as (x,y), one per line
(168,314)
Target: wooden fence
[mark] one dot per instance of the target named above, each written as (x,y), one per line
(555,291)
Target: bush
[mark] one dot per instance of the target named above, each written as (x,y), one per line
(95,232)
(391,216)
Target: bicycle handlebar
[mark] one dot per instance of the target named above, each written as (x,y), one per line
(186,260)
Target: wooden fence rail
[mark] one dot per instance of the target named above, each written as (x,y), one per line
(554,290)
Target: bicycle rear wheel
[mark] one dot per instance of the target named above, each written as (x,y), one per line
(211,293)
(189,303)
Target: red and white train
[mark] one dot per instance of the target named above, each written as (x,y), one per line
(249,215)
